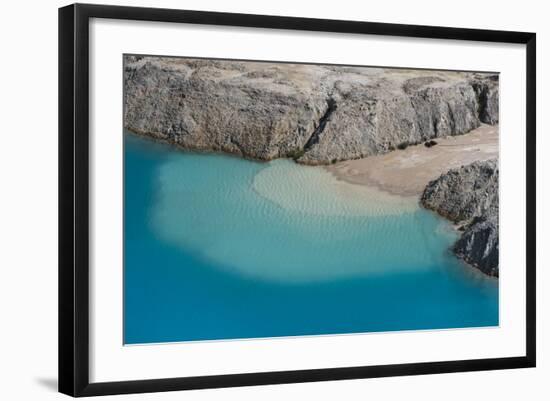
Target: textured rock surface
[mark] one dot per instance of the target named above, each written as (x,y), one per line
(313,113)
(469,196)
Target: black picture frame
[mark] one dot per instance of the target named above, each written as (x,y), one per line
(74,198)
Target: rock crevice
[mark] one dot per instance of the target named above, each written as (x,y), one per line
(319,114)
(314,138)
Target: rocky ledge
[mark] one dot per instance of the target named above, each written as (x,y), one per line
(315,114)
(468,196)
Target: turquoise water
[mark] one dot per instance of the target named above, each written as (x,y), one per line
(217,247)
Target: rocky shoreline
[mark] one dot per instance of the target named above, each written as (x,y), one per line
(314,114)
(320,115)
(469,197)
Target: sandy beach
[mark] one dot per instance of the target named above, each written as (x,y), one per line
(407,172)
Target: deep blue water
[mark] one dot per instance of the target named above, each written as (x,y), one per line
(217,247)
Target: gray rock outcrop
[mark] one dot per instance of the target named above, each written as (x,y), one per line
(313,113)
(468,196)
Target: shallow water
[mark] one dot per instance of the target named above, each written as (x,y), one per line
(217,247)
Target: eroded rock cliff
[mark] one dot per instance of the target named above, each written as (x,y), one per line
(313,113)
(468,196)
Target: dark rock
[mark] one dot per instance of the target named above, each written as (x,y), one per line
(479,245)
(403,145)
(469,196)
(429,144)
(487,91)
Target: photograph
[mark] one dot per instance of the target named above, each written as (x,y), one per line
(275,201)
(268,199)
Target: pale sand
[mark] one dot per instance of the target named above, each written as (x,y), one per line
(407,172)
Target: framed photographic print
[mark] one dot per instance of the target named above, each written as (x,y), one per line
(249,199)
